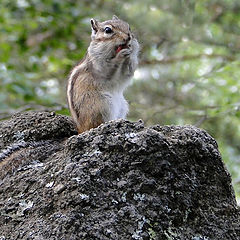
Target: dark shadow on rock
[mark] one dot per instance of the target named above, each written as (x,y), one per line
(118,181)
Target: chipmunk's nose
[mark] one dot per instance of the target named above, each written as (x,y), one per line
(127,38)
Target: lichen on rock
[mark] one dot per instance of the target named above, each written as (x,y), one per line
(121,180)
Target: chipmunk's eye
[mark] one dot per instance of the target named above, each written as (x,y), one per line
(108,30)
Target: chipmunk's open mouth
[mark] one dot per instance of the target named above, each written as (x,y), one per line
(122,46)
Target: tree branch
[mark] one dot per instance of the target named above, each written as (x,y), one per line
(170,60)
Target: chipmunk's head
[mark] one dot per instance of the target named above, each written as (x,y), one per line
(111,36)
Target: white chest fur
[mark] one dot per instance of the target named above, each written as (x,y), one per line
(118,106)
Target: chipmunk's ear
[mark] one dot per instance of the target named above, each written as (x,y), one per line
(115,17)
(94,25)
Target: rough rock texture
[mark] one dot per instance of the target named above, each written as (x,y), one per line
(118,181)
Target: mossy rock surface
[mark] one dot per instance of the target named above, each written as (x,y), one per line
(121,180)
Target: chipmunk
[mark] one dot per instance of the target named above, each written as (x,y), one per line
(96,84)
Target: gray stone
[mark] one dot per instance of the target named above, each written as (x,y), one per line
(121,180)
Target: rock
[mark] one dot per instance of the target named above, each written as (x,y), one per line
(35,126)
(119,181)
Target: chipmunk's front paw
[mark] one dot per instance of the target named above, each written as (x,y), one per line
(124,53)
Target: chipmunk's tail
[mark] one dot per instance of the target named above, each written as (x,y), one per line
(20,153)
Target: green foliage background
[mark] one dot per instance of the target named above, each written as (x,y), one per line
(189,64)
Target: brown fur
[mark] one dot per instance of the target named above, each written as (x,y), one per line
(96,84)
(12,162)
(19,154)
(88,106)
(87,103)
